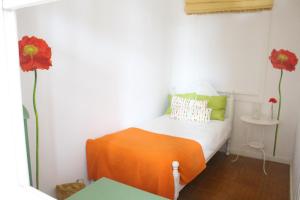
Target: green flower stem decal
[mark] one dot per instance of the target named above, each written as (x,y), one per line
(36,132)
(278,115)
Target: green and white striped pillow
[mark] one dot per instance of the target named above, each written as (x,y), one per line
(190,110)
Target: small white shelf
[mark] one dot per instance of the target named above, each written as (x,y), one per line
(263,122)
(259,145)
(256,145)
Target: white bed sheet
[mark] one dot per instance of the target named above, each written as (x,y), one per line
(211,135)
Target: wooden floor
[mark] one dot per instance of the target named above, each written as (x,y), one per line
(242,180)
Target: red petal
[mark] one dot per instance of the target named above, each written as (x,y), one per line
(289,65)
(42,60)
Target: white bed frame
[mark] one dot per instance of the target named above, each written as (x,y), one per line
(175,164)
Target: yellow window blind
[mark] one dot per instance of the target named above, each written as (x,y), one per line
(210,6)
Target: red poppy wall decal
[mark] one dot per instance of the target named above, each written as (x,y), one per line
(34,54)
(282,60)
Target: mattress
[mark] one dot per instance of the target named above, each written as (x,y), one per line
(211,135)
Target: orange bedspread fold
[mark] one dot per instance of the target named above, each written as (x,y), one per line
(143,159)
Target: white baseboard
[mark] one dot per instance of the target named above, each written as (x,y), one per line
(258,155)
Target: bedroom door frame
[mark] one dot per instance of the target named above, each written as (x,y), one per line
(13,169)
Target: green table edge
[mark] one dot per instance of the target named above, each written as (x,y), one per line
(107,189)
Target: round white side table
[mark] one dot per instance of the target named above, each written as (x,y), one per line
(257,144)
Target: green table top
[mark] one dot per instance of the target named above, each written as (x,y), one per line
(106,189)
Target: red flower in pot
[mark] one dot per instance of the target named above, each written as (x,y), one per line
(34,54)
(272,101)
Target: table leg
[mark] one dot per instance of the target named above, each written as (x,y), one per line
(243,145)
(263,151)
(235,159)
(237,156)
(264,161)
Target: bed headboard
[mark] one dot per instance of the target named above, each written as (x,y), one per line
(230,105)
(205,88)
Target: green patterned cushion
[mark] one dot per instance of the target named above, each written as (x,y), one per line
(217,104)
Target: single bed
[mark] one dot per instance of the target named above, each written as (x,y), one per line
(211,136)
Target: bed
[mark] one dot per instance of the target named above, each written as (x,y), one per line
(214,135)
(217,134)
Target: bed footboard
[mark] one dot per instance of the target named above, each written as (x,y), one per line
(176,175)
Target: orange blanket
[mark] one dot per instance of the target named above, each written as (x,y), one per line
(144,160)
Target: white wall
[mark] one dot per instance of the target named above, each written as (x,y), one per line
(296,167)
(230,50)
(112,70)
(109,72)
(225,49)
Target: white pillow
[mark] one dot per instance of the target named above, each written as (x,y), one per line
(180,106)
(191,110)
(200,87)
(200,115)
